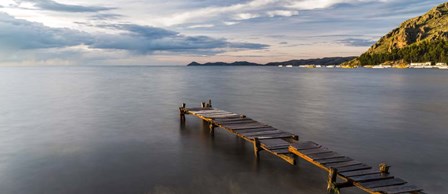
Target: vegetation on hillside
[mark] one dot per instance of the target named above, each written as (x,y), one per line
(433,51)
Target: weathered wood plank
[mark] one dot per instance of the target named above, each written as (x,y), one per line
(242,121)
(398,189)
(224,117)
(371,177)
(243,125)
(247,127)
(353,168)
(260,133)
(383,183)
(281,151)
(334,160)
(275,136)
(305,145)
(229,119)
(218,115)
(325,156)
(198,109)
(320,150)
(343,164)
(360,172)
(241,131)
(263,133)
(274,143)
(209,111)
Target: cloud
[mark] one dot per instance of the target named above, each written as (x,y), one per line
(284,13)
(245,16)
(201,26)
(55,6)
(17,34)
(106,16)
(357,42)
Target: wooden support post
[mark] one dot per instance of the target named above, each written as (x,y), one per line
(384,168)
(295,137)
(212,129)
(182,112)
(332,175)
(256,147)
(209,104)
(203,105)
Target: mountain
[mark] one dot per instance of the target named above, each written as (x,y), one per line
(322,61)
(424,38)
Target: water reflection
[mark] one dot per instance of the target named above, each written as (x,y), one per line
(117,130)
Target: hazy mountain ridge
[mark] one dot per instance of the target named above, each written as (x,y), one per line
(297,62)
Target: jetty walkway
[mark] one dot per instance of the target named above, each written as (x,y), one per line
(287,146)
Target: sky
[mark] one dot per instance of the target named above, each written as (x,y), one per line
(177,32)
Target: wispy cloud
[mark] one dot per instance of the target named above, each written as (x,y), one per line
(22,34)
(55,6)
(357,42)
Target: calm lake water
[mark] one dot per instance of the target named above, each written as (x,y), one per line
(114,130)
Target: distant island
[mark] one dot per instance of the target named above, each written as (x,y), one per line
(327,61)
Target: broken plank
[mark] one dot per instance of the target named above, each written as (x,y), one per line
(383,183)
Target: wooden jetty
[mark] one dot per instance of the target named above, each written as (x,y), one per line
(287,146)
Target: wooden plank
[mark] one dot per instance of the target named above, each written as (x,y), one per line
(281,151)
(398,189)
(305,145)
(320,150)
(360,173)
(274,143)
(243,125)
(263,133)
(219,115)
(371,177)
(343,164)
(242,121)
(325,156)
(334,160)
(229,119)
(275,136)
(224,117)
(247,127)
(353,168)
(254,130)
(197,109)
(260,132)
(383,183)
(209,111)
